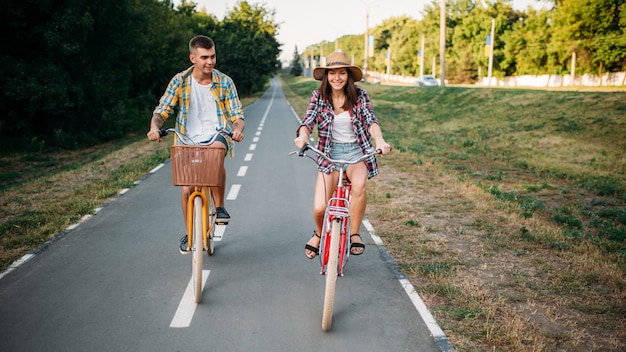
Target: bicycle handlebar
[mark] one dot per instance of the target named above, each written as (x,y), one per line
(306,147)
(187,141)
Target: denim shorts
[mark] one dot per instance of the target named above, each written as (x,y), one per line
(345,151)
(220,138)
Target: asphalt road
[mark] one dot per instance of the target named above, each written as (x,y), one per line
(116,282)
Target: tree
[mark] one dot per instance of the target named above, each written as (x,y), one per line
(296,66)
(247,47)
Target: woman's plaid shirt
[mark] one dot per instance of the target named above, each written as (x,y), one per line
(320,112)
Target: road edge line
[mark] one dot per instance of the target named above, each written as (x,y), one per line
(435,331)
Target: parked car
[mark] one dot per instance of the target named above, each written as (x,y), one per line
(427,80)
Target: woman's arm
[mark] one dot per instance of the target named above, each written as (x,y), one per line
(377,136)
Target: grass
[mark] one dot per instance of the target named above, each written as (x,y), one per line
(505,208)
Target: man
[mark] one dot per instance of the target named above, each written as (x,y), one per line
(207,100)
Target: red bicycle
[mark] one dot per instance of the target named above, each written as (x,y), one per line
(334,246)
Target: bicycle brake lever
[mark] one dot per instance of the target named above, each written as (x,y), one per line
(163,132)
(303,149)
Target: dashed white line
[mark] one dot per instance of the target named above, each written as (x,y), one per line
(252,146)
(242,171)
(255,139)
(187,306)
(248,157)
(234,191)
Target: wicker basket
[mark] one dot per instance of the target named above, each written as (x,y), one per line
(194,165)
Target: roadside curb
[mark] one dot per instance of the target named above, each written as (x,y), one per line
(427,317)
(30,255)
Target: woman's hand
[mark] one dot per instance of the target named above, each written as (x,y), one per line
(301,141)
(383,146)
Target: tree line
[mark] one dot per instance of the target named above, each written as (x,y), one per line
(526,42)
(76,73)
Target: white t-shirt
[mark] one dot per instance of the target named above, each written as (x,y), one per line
(342,129)
(202,120)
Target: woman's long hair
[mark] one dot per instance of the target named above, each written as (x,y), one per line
(326,91)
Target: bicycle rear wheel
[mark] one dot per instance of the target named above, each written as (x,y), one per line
(198,244)
(331,275)
(210,199)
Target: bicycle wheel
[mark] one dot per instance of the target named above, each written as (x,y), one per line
(331,275)
(211,217)
(196,258)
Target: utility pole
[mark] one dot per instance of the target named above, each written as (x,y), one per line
(366,46)
(492,42)
(422,57)
(442,42)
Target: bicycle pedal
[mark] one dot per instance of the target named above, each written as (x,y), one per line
(219,232)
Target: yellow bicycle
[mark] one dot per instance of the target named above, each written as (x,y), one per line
(190,163)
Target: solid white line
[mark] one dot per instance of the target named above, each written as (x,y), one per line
(415,298)
(234,191)
(187,306)
(242,171)
(248,157)
(156,169)
(428,318)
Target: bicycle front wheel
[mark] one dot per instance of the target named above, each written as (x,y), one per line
(198,244)
(331,275)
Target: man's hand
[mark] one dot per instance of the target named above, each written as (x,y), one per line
(154,135)
(237,136)
(238,126)
(155,128)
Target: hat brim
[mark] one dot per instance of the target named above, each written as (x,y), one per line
(357,74)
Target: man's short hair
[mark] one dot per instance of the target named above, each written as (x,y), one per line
(200,41)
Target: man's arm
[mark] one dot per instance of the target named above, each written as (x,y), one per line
(155,126)
(238,127)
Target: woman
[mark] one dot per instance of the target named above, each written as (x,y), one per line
(346,123)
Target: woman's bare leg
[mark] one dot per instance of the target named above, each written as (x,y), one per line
(357,174)
(324,188)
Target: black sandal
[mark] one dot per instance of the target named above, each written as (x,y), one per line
(356,245)
(315,250)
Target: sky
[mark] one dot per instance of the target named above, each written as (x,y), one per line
(303,23)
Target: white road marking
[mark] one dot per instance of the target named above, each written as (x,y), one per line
(187,306)
(234,191)
(252,146)
(156,169)
(255,139)
(258,133)
(248,157)
(242,171)
(415,298)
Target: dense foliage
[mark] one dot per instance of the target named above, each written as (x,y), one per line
(525,42)
(80,72)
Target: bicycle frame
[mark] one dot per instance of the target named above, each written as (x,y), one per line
(204,193)
(200,220)
(338,209)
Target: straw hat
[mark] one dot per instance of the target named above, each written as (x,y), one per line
(338,60)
